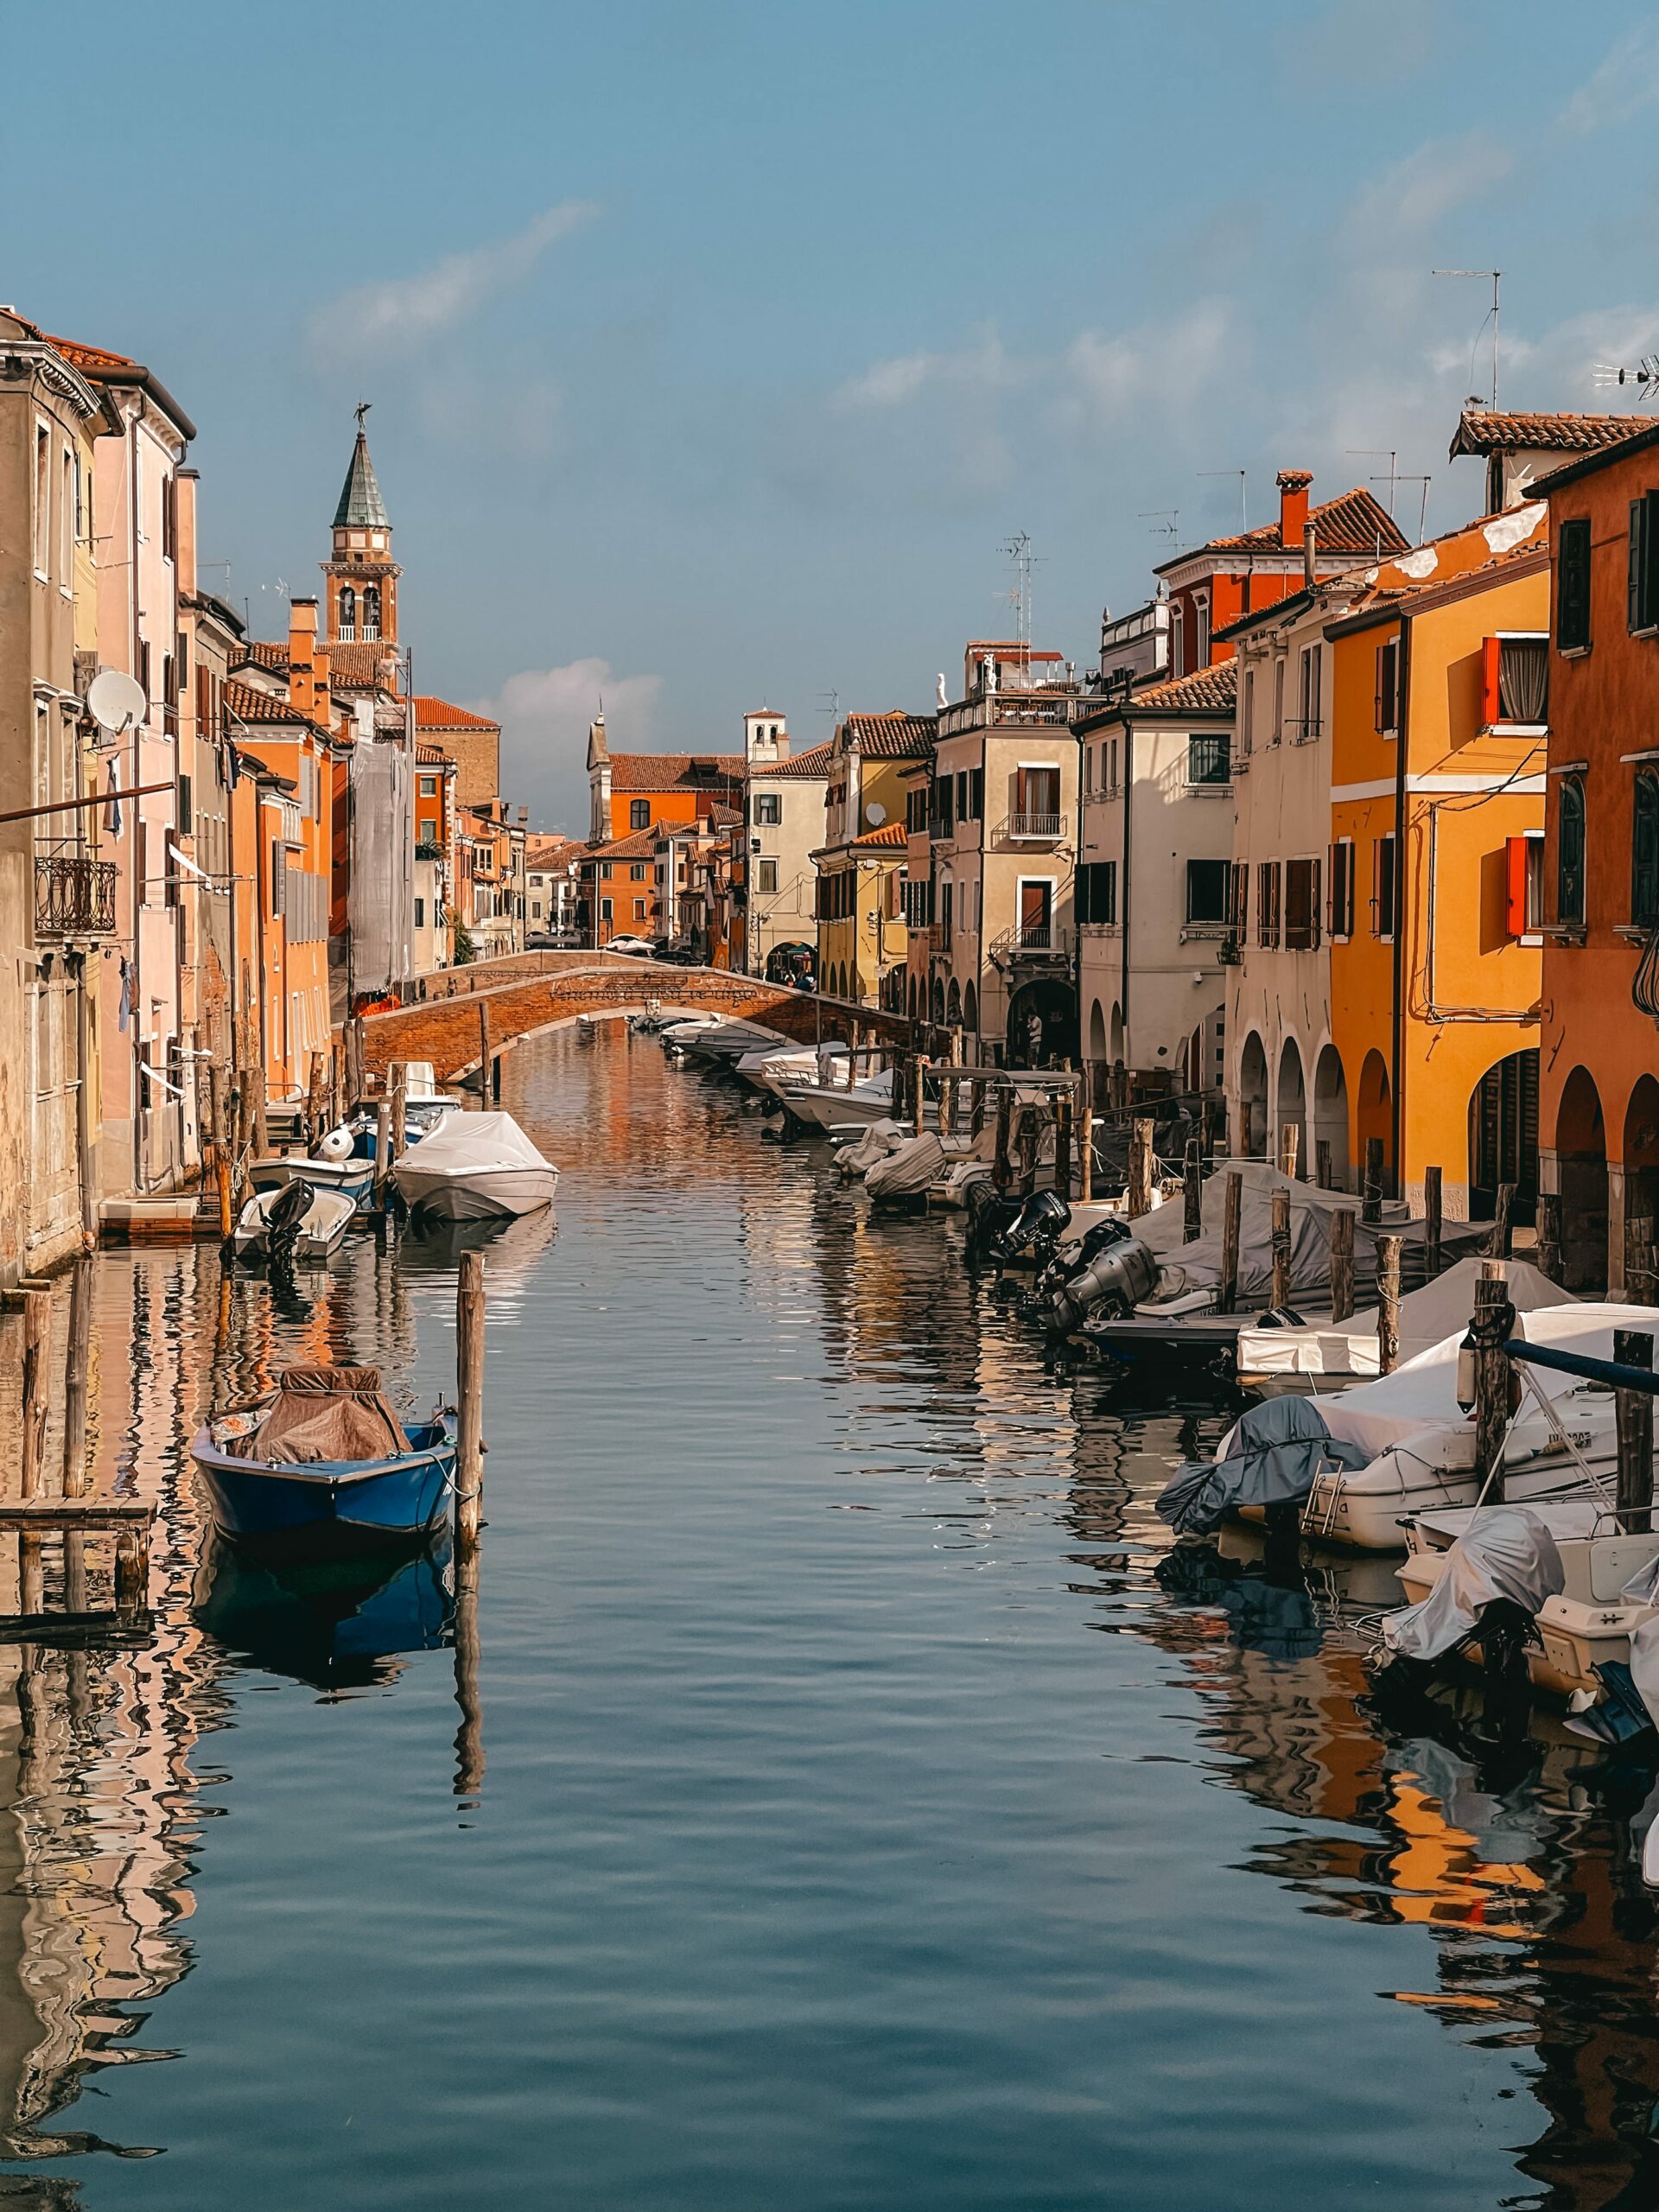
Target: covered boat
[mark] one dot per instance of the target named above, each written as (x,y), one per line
(477,1164)
(324,1463)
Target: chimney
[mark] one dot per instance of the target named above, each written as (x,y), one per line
(1310,555)
(1293,506)
(302,658)
(184,529)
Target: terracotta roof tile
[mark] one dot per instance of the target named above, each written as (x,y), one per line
(637,845)
(892,736)
(674,771)
(1480,431)
(89,359)
(248,705)
(267,653)
(893,834)
(356,666)
(1206,690)
(438,713)
(805,765)
(1352,522)
(433,756)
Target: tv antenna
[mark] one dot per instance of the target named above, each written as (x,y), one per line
(1018,550)
(831,703)
(1422,511)
(1244,513)
(1165,521)
(1644,376)
(1379,453)
(1496,276)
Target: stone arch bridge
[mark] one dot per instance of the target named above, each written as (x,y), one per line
(504,1002)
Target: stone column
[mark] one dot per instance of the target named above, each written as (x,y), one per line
(1616,1230)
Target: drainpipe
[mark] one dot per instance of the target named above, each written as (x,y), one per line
(1123,894)
(1402,742)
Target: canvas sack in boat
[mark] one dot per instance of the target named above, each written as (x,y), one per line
(322,1414)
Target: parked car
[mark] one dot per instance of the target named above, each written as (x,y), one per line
(636,945)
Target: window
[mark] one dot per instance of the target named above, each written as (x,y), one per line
(81,531)
(67,522)
(638,910)
(1514,681)
(1524,884)
(170,519)
(1644,852)
(1309,720)
(1201,632)
(1096,893)
(1111,755)
(1644,567)
(962,808)
(42,497)
(186,810)
(638,814)
(766,875)
(1267,903)
(1036,803)
(1301,905)
(1177,639)
(636,871)
(1572,585)
(976,793)
(1246,718)
(1388,688)
(947,908)
(1238,899)
(605,910)
(429,786)
(347,611)
(429,831)
(1279,700)
(1342,887)
(420,913)
(1210,757)
(605,871)
(945,793)
(371,610)
(1206,891)
(768,809)
(1569,853)
(1384,895)
(916,810)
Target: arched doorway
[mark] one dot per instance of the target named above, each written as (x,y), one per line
(1581,1175)
(970,1011)
(1096,1032)
(953,1005)
(1375,1115)
(1291,1105)
(1042,1024)
(1503,1136)
(1117,1036)
(1331,1114)
(938,1001)
(1252,1098)
(1641,1150)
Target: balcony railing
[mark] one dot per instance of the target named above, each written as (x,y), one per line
(1031,941)
(1305,729)
(1037,827)
(74,896)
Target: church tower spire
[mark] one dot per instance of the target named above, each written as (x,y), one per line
(362,577)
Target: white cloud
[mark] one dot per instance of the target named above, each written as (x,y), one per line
(1155,368)
(983,366)
(1626,82)
(544,714)
(1417,193)
(375,318)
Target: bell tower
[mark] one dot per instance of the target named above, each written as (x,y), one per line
(361,580)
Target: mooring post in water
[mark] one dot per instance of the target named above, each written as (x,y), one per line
(1192,1191)
(1322,1163)
(77,1358)
(1063,1144)
(1002,1166)
(917,1091)
(37,1323)
(223,1157)
(1639,1286)
(1085,1142)
(1499,1244)
(313,1100)
(469,1736)
(1371,1207)
(1342,1264)
(1431,1222)
(1281,1247)
(1549,1235)
(1633,1411)
(382,1151)
(469,1398)
(1139,1192)
(1290,1141)
(1387,1304)
(1231,1215)
(1489,1327)
(397,1076)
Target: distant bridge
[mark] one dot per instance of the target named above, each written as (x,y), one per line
(467,1012)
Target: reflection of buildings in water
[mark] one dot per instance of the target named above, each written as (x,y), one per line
(1543,1935)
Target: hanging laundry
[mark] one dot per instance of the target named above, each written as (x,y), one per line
(125,1013)
(112,805)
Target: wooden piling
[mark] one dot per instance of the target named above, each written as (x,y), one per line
(397,1076)
(223,1155)
(1491,1380)
(1290,1138)
(261,1138)
(314,1129)
(1639,1286)
(1549,1235)
(469,1398)
(1371,1207)
(132,1568)
(1063,1144)
(1633,1411)
(382,1150)
(37,1387)
(1342,1263)
(1387,1304)
(1139,1192)
(1086,1147)
(1001,1164)
(1231,1215)
(1503,1234)
(918,1092)
(469,1736)
(77,1359)
(1193,1191)
(1280,1248)
(1431,1222)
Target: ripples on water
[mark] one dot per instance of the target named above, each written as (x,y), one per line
(875,1810)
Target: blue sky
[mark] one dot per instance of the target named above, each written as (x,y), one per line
(716,352)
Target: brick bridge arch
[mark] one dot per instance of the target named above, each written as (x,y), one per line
(523,996)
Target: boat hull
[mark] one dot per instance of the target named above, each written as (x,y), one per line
(352,1178)
(474,1197)
(310,1511)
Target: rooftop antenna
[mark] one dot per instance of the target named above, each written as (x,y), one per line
(1496,276)
(1244,513)
(1160,527)
(1018,550)
(832,704)
(1379,453)
(1645,375)
(1422,511)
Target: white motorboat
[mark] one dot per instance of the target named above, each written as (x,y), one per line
(836,1106)
(328,1218)
(770,1067)
(476,1165)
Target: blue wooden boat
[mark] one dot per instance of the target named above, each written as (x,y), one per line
(274,1483)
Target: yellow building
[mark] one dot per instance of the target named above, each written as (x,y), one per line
(1434,869)
(863,864)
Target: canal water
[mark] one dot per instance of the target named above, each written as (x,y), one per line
(840,1795)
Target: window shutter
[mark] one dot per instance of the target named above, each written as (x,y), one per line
(1572,585)
(1491,705)
(1314,902)
(1515,886)
(1650,560)
(1644,852)
(1635,564)
(186,812)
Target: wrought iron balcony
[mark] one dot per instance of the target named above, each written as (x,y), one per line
(1037,827)
(1031,941)
(74,895)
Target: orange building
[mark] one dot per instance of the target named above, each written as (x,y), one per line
(1438,749)
(637,791)
(1217,584)
(1599,1104)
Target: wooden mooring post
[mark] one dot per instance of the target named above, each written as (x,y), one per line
(382,1150)
(36,1387)
(1063,1144)
(1549,1235)
(1280,1245)
(1001,1166)
(1633,1411)
(1085,1140)
(1502,1237)
(1322,1174)
(1140,1191)
(1290,1141)
(1387,1304)
(1192,1191)
(77,1357)
(1431,1222)
(1231,1215)
(918,1092)
(469,1399)
(398,1076)
(1342,1263)
(1491,1380)
(1640,1288)
(1371,1204)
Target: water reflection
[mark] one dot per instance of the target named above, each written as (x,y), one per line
(338,1624)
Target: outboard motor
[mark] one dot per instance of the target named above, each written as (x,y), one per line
(991,1214)
(1117,1278)
(1068,1261)
(1036,1229)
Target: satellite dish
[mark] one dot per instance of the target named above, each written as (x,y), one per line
(875,814)
(116,701)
